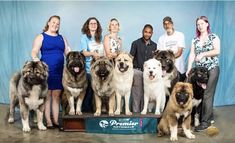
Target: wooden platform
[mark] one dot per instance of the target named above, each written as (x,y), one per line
(77,122)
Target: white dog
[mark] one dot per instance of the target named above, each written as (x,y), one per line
(123,78)
(153,86)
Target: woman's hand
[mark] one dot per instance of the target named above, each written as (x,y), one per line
(199,57)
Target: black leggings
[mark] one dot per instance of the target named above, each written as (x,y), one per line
(208,98)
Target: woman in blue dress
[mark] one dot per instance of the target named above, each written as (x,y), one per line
(52,46)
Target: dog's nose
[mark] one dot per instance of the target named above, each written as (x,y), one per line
(151,72)
(121,64)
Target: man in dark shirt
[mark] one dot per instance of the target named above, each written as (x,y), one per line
(141,49)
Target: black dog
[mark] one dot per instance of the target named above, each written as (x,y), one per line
(170,75)
(198,77)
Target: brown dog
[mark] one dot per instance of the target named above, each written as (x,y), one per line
(177,112)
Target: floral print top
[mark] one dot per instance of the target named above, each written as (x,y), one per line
(115,45)
(208,62)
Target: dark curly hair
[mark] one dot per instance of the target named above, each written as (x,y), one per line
(46,26)
(85,29)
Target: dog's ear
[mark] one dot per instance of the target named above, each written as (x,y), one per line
(155,53)
(82,55)
(68,54)
(130,56)
(191,75)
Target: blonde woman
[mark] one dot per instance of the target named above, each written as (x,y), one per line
(112,42)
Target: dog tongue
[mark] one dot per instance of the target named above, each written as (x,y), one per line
(151,77)
(76,69)
(203,85)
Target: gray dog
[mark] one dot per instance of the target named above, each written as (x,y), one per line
(102,84)
(28,88)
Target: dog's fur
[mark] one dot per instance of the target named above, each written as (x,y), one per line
(198,77)
(28,88)
(123,78)
(102,84)
(74,82)
(170,75)
(177,112)
(154,89)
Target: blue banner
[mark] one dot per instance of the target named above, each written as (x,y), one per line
(121,125)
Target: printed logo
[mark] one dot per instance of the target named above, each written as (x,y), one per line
(103,123)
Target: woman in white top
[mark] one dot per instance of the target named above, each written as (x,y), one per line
(112,42)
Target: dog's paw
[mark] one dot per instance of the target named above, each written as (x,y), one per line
(143,112)
(11,120)
(42,127)
(157,112)
(128,113)
(173,138)
(26,129)
(71,112)
(97,113)
(78,113)
(111,114)
(190,136)
(117,112)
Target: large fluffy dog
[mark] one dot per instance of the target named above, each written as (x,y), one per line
(177,112)
(28,88)
(123,78)
(102,84)
(170,75)
(198,77)
(154,89)
(74,83)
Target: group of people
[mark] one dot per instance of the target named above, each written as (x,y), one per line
(204,52)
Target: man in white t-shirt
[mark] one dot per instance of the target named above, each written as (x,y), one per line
(173,40)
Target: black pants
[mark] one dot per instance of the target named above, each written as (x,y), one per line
(87,102)
(208,98)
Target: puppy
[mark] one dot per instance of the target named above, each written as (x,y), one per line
(102,84)
(198,77)
(177,112)
(123,78)
(153,86)
(28,88)
(170,75)
(74,82)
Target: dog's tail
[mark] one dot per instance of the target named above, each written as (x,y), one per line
(212,131)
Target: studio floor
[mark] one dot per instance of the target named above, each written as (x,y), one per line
(12,133)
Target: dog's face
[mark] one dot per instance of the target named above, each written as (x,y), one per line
(75,62)
(102,67)
(123,62)
(182,93)
(35,72)
(167,59)
(199,76)
(152,69)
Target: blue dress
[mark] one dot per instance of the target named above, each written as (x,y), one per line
(52,52)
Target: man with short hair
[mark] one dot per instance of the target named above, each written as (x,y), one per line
(141,49)
(173,40)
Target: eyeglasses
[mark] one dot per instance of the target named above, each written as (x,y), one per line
(92,23)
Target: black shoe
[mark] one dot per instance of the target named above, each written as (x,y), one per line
(50,127)
(201,127)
